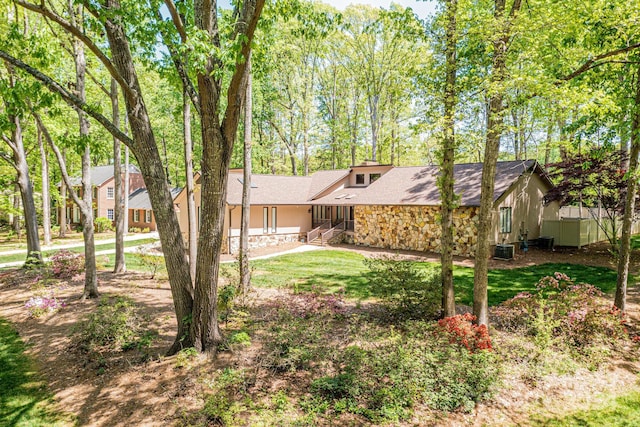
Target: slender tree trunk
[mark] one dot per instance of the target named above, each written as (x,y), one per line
(373,115)
(188,167)
(46,199)
(448,158)
(26,194)
(127,185)
(86,207)
(62,233)
(245,272)
(17,227)
(120,266)
(629,208)
(492,148)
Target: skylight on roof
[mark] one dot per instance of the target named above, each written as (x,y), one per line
(350,196)
(241,181)
(340,196)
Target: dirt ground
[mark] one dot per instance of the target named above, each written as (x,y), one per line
(121,389)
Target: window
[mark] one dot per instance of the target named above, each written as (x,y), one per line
(110,193)
(110,214)
(373,177)
(147,216)
(360,179)
(274,217)
(136,215)
(505,220)
(265,220)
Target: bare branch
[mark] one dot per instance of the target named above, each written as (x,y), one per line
(595,61)
(69,97)
(177,21)
(60,158)
(9,143)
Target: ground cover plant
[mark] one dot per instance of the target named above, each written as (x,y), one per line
(24,400)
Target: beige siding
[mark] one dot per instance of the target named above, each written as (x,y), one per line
(525,198)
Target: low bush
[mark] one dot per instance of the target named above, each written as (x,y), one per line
(115,325)
(383,381)
(461,330)
(66,264)
(410,293)
(565,314)
(103,224)
(41,305)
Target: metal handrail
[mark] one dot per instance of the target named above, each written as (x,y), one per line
(313,234)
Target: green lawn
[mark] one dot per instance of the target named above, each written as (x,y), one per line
(623,411)
(332,270)
(78,249)
(23,399)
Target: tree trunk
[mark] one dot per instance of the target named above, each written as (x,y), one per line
(118,212)
(188,167)
(629,208)
(46,199)
(62,233)
(125,227)
(492,147)
(146,151)
(243,259)
(373,115)
(26,194)
(86,207)
(448,158)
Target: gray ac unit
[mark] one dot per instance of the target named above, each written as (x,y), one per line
(504,251)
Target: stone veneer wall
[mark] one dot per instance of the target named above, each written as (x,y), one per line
(261,241)
(414,228)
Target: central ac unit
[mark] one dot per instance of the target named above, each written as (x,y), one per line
(504,251)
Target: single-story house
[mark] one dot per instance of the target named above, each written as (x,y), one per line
(140,210)
(102,180)
(384,206)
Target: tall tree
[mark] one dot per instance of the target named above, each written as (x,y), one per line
(119,194)
(243,256)
(448,157)
(46,198)
(504,21)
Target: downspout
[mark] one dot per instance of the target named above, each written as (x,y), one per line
(229,232)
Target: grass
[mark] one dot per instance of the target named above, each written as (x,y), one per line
(78,249)
(23,399)
(342,270)
(621,411)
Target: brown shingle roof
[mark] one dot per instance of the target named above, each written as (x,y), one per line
(322,180)
(270,189)
(417,185)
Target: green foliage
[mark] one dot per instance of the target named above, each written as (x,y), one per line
(411,293)
(103,224)
(563,315)
(150,262)
(185,357)
(24,401)
(225,400)
(383,380)
(115,325)
(66,264)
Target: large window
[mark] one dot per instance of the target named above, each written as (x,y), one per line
(136,215)
(360,179)
(147,216)
(505,220)
(373,177)
(110,214)
(265,220)
(274,219)
(110,193)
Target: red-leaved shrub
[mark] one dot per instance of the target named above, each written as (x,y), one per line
(461,330)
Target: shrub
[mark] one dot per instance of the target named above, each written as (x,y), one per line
(39,306)
(103,224)
(225,402)
(384,381)
(460,330)
(115,325)
(153,263)
(411,293)
(66,264)
(565,314)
